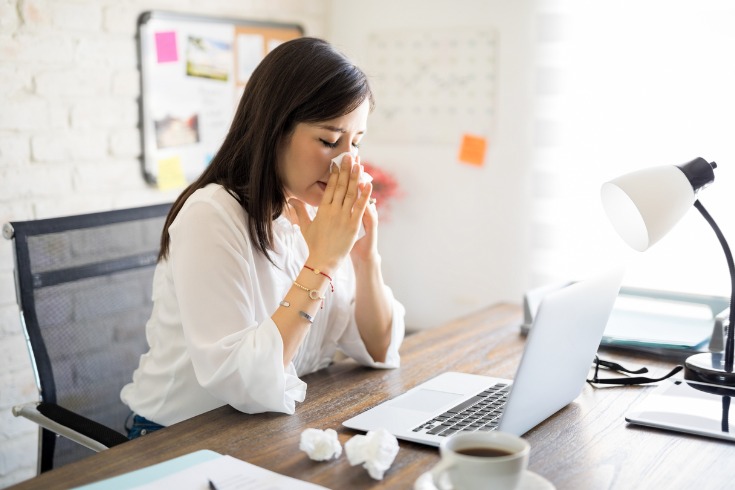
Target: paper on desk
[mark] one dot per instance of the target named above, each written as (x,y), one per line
(658,322)
(228,473)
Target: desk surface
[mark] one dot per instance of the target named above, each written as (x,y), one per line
(586,445)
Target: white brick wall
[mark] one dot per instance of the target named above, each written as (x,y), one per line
(69,141)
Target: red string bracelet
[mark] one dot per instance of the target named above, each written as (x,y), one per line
(317,271)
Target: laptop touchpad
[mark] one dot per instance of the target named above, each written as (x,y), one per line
(425,400)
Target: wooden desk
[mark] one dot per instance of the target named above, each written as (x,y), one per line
(586,445)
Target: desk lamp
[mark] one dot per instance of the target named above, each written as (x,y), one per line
(643,206)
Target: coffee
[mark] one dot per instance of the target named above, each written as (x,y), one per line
(481,460)
(484,452)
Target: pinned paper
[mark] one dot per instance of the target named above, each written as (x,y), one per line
(170,173)
(472,150)
(166,47)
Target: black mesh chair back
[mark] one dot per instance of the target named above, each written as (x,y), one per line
(84,285)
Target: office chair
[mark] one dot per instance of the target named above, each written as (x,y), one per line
(83,286)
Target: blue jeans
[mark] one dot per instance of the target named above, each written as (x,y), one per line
(142,426)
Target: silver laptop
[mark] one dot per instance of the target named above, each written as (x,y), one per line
(559,351)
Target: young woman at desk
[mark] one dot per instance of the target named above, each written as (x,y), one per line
(262,275)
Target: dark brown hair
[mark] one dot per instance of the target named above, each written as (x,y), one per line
(303,80)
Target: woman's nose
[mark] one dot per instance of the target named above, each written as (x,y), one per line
(347,147)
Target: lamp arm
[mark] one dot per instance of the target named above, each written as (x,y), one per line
(730,341)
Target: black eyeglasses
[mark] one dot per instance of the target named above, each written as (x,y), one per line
(626,380)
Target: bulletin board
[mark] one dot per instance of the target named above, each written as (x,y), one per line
(193,71)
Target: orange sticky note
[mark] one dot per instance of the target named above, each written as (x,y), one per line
(472,150)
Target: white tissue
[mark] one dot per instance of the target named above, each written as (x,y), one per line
(376,450)
(320,445)
(336,161)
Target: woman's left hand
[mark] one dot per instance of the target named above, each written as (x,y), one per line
(366,248)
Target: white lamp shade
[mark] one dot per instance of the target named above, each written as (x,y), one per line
(644,205)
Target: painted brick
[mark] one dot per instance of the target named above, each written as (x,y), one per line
(6,246)
(73,82)
(62,146)
(9,316)
(126,82)
(12,426)
(77,16)
(56,48)
(7,288)
(36,181)
(9,18)
(58,114)
(36,14)
(107,50)
(24,113)
(15,149)
(10,210)
(60,63)
(109,176)
(121,18)
(18,387)
(46,207)
(13,352)
(105,113)
(18,455)
(123,143)
(15,80)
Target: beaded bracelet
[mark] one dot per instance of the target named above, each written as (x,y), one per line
(317,271)
(313,293)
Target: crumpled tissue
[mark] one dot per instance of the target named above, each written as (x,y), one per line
(320,445)
(336,161)
(376,450)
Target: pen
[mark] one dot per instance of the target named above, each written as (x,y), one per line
(212,486)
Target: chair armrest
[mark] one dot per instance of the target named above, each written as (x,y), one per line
(71,425)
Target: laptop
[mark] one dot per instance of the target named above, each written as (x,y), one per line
(559,351)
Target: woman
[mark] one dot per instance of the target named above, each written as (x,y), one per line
(261,275)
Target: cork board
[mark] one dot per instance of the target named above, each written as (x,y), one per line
(193,71)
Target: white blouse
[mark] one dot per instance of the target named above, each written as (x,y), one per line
(212,340)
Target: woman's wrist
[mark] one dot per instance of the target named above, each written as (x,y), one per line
(371,262)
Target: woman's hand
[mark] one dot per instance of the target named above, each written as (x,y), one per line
(366,248)
(331,235)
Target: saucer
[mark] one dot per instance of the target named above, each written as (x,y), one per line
(530,481)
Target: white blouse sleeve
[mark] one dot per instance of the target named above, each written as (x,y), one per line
(236,357)
(352,345)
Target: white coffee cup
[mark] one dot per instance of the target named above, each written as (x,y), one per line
(481,460)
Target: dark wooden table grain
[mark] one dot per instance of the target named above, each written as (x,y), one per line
(586,445)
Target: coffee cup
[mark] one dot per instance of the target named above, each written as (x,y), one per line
(481,460)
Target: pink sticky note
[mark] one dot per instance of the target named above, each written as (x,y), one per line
(166,47)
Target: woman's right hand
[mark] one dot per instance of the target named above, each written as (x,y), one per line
(332,233)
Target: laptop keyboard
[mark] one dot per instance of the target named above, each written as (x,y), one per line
(481,412)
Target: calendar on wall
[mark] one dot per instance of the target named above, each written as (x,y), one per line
(431,85)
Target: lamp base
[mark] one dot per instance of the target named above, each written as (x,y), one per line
(708,368)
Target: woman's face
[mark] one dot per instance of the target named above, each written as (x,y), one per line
(305,159)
